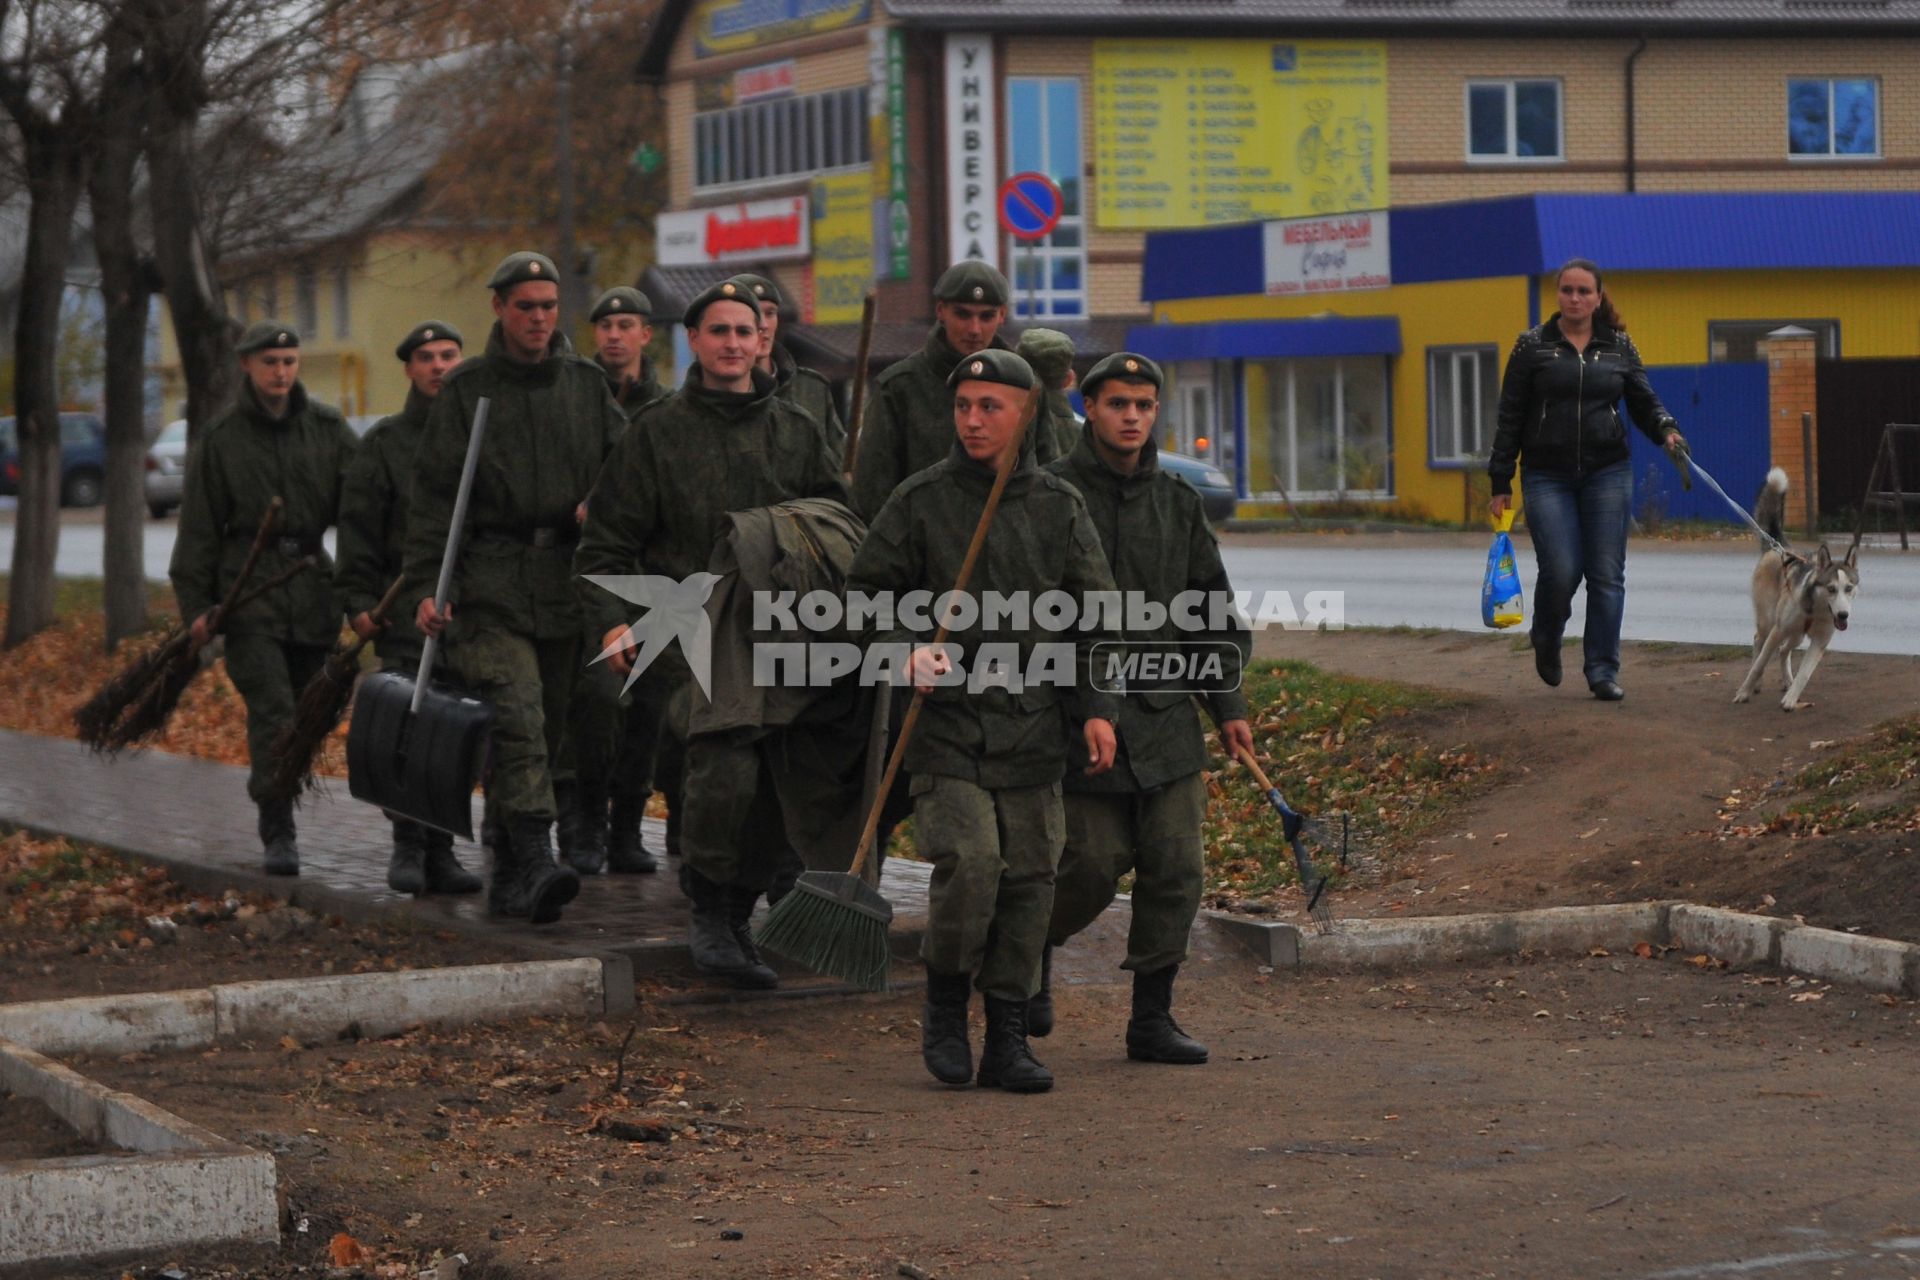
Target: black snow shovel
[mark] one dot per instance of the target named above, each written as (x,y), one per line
(414,750)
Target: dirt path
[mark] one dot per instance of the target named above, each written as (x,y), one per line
(1603,802)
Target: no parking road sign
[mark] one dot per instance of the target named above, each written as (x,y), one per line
(1030,205)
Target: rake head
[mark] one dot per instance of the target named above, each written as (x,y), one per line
(1342,841)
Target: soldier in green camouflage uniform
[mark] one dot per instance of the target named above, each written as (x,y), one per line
(513,621)
(810,390)
(274,443)
(1050,352)
(724,442)
(372,543)
(987,758)
(609,742)
(907,426)
(1143,816)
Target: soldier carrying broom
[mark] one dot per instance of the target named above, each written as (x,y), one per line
(275,442)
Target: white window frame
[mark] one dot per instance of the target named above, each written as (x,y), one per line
(1830,156)
(1468,355)
(1511,85)
(781,141)
(1046,298)
(1292,429)
(306,301)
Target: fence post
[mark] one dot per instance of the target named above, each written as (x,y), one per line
(1806,467)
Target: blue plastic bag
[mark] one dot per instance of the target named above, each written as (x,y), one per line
(1501,604)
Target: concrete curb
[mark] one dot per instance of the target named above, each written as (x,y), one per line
(1739,939)
(182,1184)
(312,1008)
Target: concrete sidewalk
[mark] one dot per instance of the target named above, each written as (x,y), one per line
(193,817)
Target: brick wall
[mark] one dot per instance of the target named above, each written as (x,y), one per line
(1790,393)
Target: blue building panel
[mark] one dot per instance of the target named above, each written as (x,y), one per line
(1268,339)
(1722,410)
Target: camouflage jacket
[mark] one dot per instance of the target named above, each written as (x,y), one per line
(549,428)
(635,394)
(373,524)
(239,465)
(812,392)
(1158,544)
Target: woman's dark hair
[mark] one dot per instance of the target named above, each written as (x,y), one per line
(1604,312)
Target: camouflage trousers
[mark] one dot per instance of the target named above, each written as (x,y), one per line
(269,673)
(529,682)
(596,719)
(1156,836)
(994,853)
(758,797)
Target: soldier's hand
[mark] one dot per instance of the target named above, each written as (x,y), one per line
(1101,746)
(1236,736)
(430,620)
(365,627)
(621,659)
(580,514)
(927,666)
(202,629)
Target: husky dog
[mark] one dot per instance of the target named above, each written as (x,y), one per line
(1794,597)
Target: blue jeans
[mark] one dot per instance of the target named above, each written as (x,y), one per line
(1579,527)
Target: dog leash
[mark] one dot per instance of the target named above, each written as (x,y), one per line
(1772,543)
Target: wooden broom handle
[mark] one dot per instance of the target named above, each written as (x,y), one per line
(227,606)
(1008,459)
(869,311)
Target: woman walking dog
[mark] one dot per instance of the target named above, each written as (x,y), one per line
(1559,416)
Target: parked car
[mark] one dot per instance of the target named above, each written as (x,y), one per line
(1217,496)
(166,468)
(83,459)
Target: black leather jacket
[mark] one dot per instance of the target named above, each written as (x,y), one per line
(1561,408)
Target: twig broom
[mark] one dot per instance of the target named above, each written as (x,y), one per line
(321,707)
(834,922)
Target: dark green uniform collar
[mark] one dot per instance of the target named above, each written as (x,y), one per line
(728,404)
(558,347)
(250,401)
(1087,460)
(417,406)
(941,357)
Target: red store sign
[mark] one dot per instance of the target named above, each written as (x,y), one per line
(756,231)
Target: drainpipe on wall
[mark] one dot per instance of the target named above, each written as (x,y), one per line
(1632,177)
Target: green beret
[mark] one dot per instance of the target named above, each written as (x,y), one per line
(763,289)
(993,365)
(1122,364)
(264,334)
(971,281)
(729,290)
(621,300)
(518,268)
(424,332)
(1050,352)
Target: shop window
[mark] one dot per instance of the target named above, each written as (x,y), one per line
(1043,136)
(342,302)
(1317,430)
(306,302)
(1463,397)
(781,139)
(1734,340)
(1515,120)
(1828,118)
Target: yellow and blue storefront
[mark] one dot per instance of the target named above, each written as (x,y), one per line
(1387,395)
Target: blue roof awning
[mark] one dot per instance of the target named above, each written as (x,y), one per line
(1268,339)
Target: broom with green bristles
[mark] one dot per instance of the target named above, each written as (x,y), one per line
(834,922)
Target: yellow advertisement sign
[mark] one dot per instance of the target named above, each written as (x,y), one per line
(1192,132)
(729,26)
(842,246)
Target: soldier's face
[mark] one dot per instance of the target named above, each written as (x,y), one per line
(528,314)
(769,326)
(619,340)
(986,414)
(969,327)
(272,372)
(726,343)
(429,364)
(1122,414)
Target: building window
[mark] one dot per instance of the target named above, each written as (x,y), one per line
(1735,340)
(342,302)
(783,138)
(1513,120)
(270,298)
(1317,429)
(1043,136)
(1833,118)
(306,302)
(1463,395)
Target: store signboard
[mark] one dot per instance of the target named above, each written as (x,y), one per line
(971,132)
(1327,255)
(755,231)
(734,26)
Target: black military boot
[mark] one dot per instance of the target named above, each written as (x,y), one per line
(406,868)
(443,871)
(943,1028)
(1152,1034)
(1006,1062)
(759,975)
(282,855)
(786,877)
(567,822)
(711,941)
(589,856)
(530,885)
(626,855)
(1040,1008)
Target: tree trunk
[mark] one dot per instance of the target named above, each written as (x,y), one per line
(201,328)
(56,173)
(125,284)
